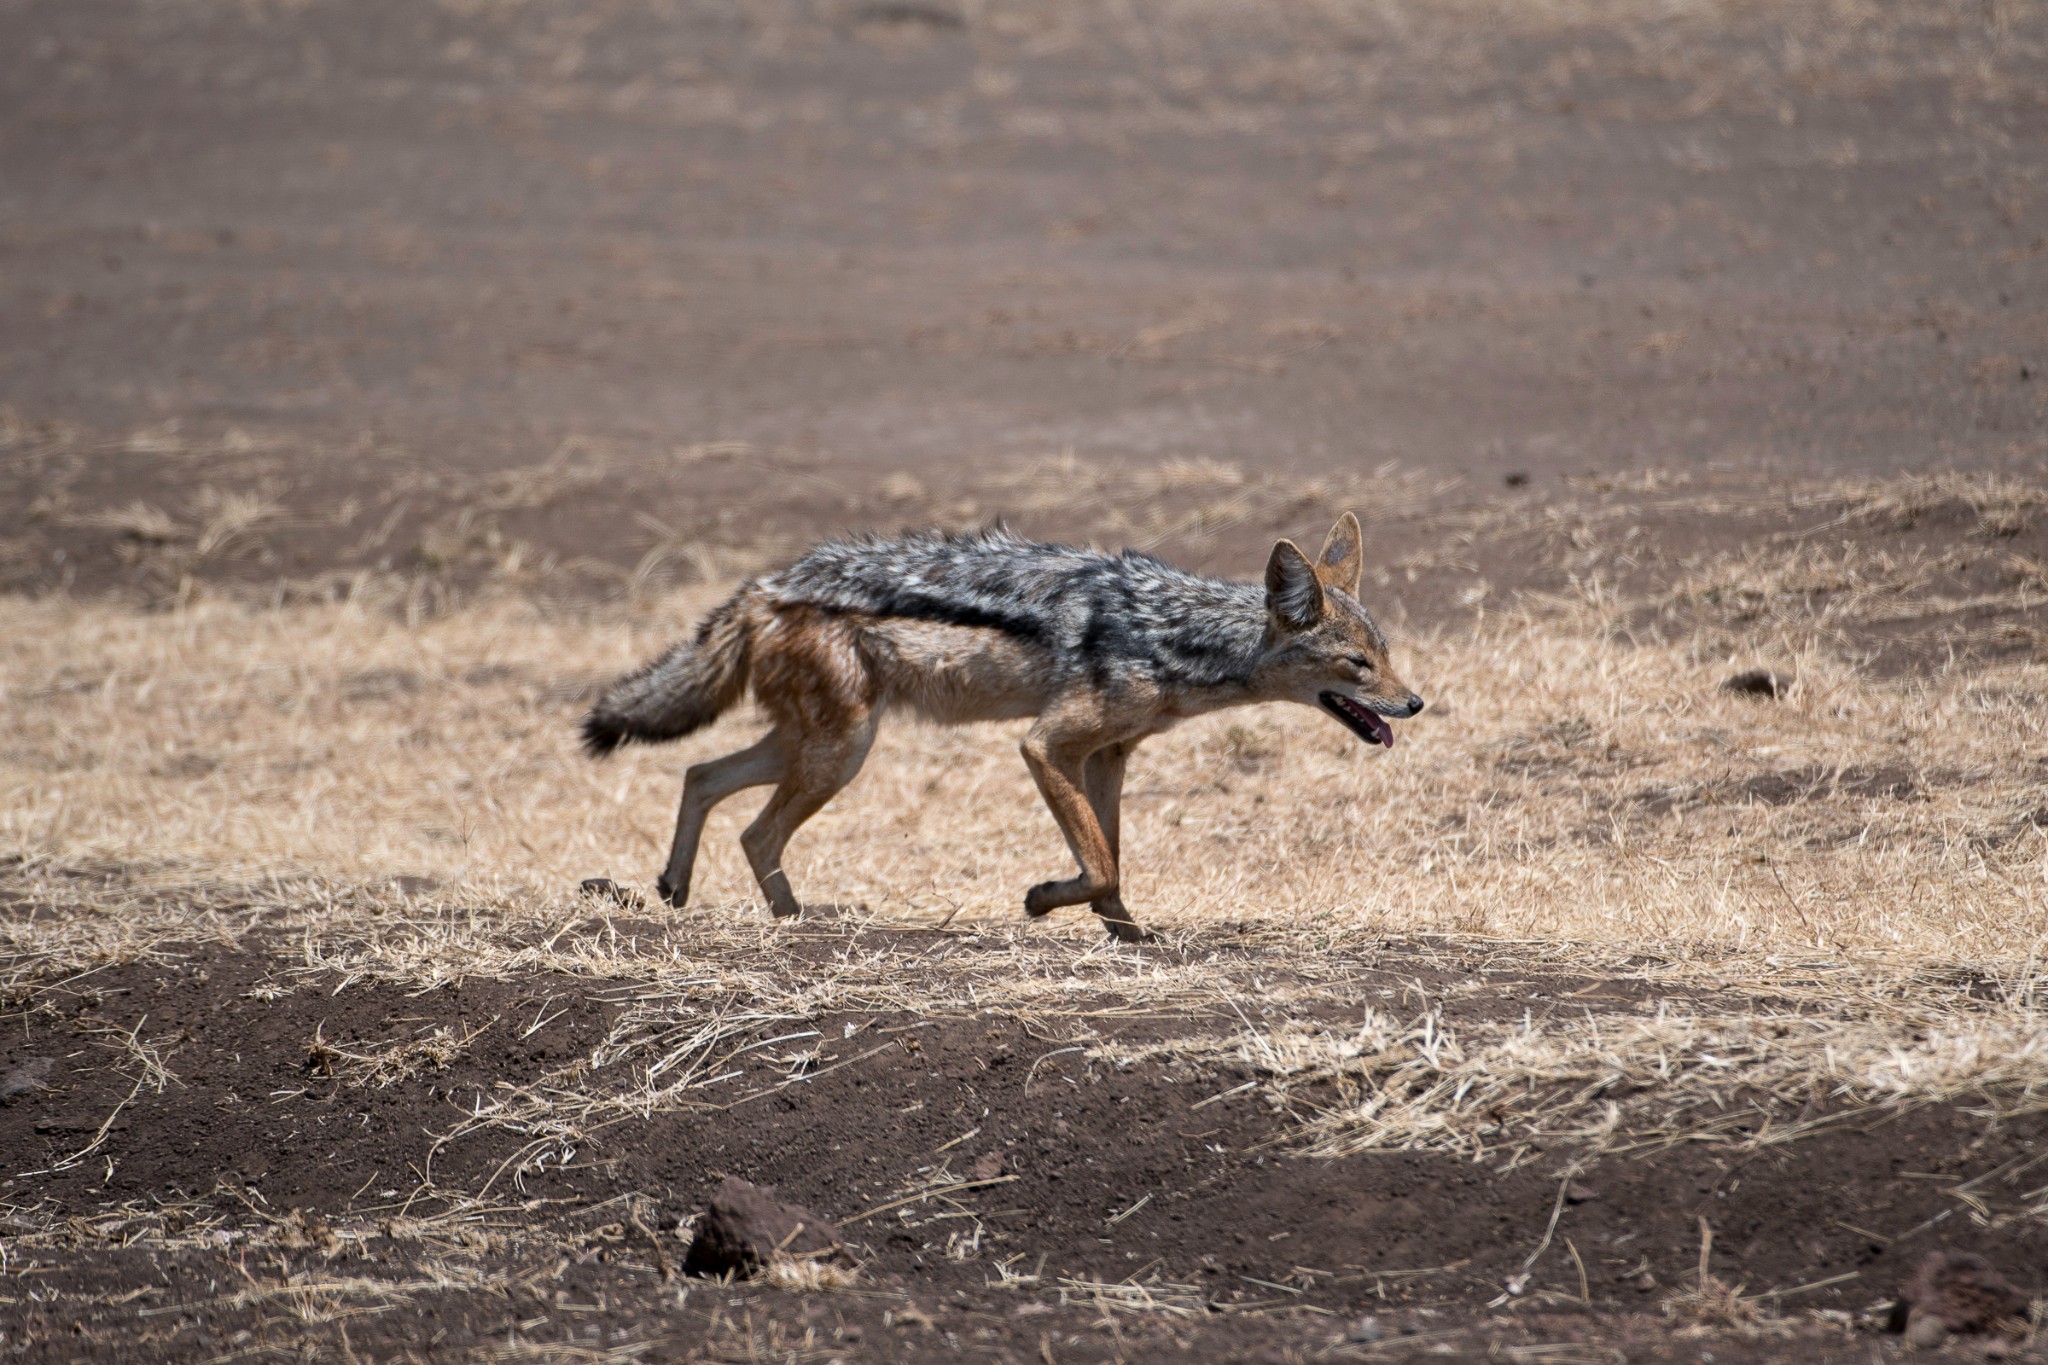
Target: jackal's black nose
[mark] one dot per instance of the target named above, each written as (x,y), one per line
(1414,704)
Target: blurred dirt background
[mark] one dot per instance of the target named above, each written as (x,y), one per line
(441,287)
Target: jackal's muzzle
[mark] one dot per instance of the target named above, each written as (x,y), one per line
(1365,721)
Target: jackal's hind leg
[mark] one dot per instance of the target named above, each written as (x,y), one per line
(819,767)
(1102,779)
(704,786)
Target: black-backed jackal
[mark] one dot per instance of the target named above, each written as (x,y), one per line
(1103,649)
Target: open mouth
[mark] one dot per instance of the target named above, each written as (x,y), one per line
(1368,725)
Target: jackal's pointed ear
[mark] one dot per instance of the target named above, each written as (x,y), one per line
(1293,592)
(1342,561)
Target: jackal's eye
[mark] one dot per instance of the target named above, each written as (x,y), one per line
(1359,662)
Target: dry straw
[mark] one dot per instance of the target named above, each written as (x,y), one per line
(1561,786)
(402,799)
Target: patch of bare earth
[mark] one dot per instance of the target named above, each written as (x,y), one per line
(1111,1152)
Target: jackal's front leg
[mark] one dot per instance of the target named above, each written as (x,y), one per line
(1102,780)
(1058,765)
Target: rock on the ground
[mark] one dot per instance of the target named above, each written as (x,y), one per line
(744,1226)
(604,888)
(24,1078)
(1365,1331)
(1957,1293)
(1759,682)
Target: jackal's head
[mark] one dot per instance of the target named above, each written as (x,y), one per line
(1321,647)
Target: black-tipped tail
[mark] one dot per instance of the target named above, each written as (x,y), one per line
(603,732)
(682,691)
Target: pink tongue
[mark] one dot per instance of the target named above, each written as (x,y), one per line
(1383,731)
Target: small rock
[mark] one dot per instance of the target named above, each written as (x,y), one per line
(607,889)
(744,1226)
(1924,1331)
(24,1078)
(1957,1292)
(1576,1193)
(1366,1329)
(988,1165)
(1516,478)
(64,1124)
(1759,682)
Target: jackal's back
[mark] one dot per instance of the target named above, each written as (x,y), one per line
(1084,613)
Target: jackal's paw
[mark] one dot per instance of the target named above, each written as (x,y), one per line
(1129,931)
(670,896)
(1038,901)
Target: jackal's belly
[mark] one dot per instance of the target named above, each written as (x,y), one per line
(955,674)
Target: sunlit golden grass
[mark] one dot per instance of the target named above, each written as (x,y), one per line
(1855,875)
(1560,786)
(1618,1080)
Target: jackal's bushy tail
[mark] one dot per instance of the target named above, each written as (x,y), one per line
(684,690)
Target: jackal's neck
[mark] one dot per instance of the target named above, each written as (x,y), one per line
(1210,648)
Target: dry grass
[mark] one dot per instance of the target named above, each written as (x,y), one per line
(1710,1302)
(314,1271)
(807,1274)
(1620,1081)
(402,799)
(401,1061)
(1561,786)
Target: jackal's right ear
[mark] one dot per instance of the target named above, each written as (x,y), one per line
(1342,561)
(1293,591)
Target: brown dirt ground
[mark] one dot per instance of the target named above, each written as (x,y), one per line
(264,1168)
(575,298)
